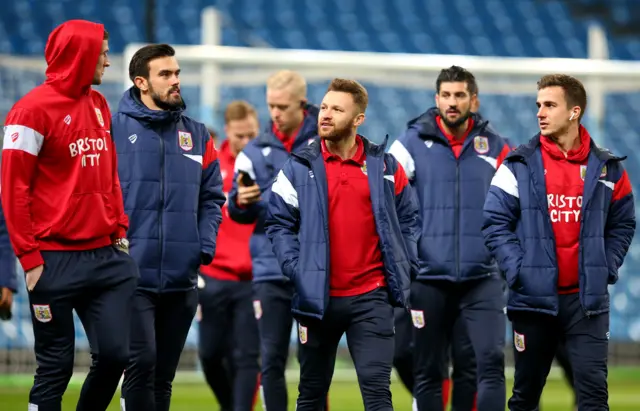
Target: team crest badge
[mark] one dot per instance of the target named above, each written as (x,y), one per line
(100,118)
(302,334)
(603,173)
(583,172)
(417,316)
(257,309)
(481,145)
(42,313)
(364,167)
(185,141)
(518,341)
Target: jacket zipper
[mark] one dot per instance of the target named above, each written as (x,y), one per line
(457,219)
(160,210)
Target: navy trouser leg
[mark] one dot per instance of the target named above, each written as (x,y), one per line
(587,344)
(174,317)
(319,341)
(562,358)
(370,337)
(138,384)
(482,307)
(403,352)
(433,311)
(245,352)
(99,285)
(464,368)
(535,338)
(215,338)
(273,308)
(160,326)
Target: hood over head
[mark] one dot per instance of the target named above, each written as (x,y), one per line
(72,53)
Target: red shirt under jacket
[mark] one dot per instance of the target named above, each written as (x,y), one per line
(564,178)
(232,261)
(356,260)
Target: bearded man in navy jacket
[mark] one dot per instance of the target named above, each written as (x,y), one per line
(343,222)
(172,191)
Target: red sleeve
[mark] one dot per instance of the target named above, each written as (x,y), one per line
(503,154)
(400,178)
(210,154)
(123,219)
(622,187)
(23,139)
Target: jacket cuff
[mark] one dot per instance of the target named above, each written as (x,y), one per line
(31,260)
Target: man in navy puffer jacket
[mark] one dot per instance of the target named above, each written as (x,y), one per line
(292,127)
(172,191)
(450,155)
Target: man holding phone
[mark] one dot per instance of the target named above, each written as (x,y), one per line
(293,125)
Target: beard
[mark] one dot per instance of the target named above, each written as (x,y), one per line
(337,132)
(166,101)
(458,122)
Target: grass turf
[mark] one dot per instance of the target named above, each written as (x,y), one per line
(191,394)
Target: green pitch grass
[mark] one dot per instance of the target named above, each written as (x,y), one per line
(191,394)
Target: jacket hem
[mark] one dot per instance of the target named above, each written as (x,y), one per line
(304,314)
(167,290)
(553,313)
(430,277)
(265,279)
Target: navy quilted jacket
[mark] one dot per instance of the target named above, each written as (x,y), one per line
(172,191)
(518,230)
(451,193)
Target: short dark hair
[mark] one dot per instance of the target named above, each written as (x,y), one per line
(455,74)
(357,91)
(574,91)
(139,65)
(106,35)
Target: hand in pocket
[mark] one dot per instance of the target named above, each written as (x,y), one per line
(33,276)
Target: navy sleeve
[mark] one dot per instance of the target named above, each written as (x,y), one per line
(621,225)
(283,221)
(212,199)
(8,278)
(408,216)
(251,213)
(501,214)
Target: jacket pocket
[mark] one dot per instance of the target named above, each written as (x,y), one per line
(87,216)
(512,277)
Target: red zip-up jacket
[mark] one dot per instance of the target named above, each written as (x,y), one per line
(232,261)
(60,187)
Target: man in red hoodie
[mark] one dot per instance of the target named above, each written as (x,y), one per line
(229,347)
(63,206)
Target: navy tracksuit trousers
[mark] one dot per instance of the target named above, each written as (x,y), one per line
(229,347)
(436,307)
(462,357)
(98,284)
(159,328)
(272,304)
(586,340)
(368,321)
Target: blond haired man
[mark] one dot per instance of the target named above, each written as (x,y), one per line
(293,125)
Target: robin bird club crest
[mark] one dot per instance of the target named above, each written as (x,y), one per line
(42,313)
(185,141)
(481,145)
(99,116)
